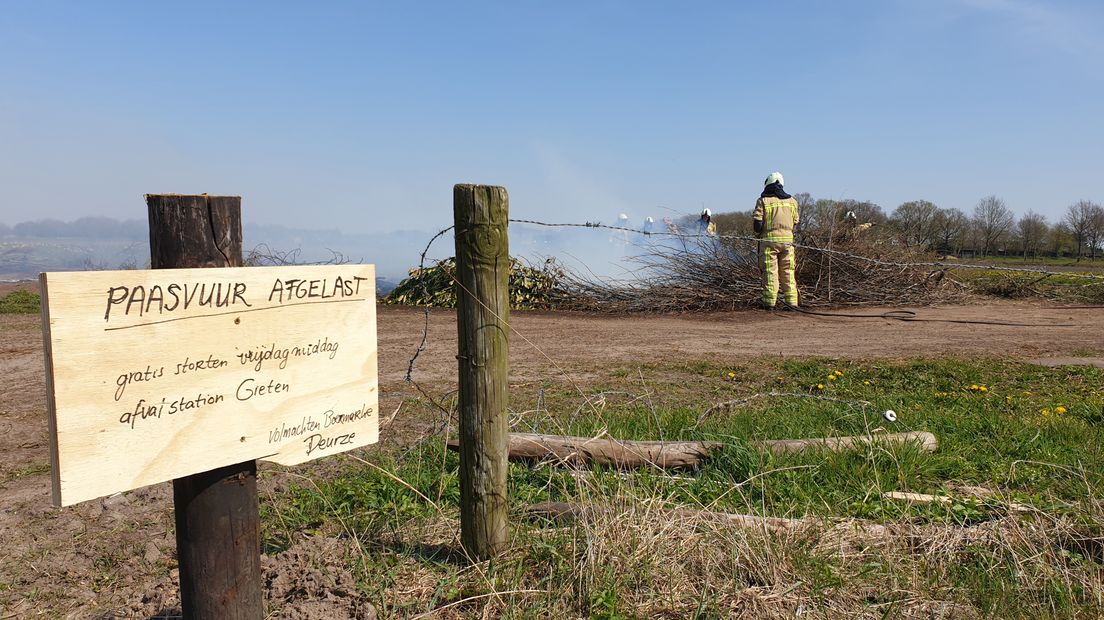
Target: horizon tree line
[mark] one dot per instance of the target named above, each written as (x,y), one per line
(992,229)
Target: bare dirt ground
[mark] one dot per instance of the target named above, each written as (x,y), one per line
(114,557)
(543,341)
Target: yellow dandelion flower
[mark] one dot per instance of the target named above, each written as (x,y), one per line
(820,386)
(1060,409)
(831,377)
(983,389)
(866,383)
(973,387)
(731,375)
(838,373)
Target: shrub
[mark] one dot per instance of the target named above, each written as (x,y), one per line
(20,302)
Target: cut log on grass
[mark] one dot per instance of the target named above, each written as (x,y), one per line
(924,440)
(919,498)
(607,451)
(674,454)
(925,498)
(566,512)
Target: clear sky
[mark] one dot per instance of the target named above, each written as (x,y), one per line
(362,116)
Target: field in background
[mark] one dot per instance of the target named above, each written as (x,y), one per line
(1065,263)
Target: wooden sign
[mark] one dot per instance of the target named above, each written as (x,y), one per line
(158,374)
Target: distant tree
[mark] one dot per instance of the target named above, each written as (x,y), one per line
(914,223)
(41,228)
(819,215)
(823,218)
(866,212)
(109,228)
(1032,229)
(992,223)
(951,227)
(1061,237)
(1095,232)
(84,228)
(1078,219)
(734,223)
(805,204)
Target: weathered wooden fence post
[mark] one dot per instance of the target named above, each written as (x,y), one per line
(481,214)
(218,536)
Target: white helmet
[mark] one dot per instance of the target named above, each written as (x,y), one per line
(707,213)
(649,220)
(774,177)
(623,217)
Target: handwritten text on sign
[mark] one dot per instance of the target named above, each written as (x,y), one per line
(155,375)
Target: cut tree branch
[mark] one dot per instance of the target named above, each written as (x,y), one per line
(565,450)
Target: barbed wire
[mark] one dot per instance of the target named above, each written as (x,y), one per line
(425,329)
(729,237)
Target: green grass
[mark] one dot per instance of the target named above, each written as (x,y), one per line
(29,470)
(20,302)
(1019,285)
(1010,438)
(1041,261)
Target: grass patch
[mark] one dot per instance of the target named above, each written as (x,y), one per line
(1041,261)
(1019,285)
(20,302)
(29,470)
(1023,433)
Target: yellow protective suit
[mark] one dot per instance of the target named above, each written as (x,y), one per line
(776,252)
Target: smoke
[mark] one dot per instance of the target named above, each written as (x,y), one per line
(28,248)
(602,253)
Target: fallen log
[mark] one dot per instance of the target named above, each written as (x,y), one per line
(607,451)
(675,454)
(920,498)
(925,440)
(925,498)
(566,512)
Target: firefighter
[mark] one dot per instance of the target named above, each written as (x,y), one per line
(774,220)
(706,225)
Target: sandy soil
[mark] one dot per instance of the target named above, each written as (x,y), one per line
(543,341)
(114,557)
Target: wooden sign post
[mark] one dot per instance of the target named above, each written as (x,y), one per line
(218,522)
(481,214)
(191,374)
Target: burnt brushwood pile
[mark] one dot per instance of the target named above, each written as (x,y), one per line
(701,274)
(691,273)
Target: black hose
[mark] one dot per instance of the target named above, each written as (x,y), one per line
(910,316)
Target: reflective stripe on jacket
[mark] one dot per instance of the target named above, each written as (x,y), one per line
(779,217)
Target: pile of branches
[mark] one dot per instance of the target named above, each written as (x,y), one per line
(262,255)
(701,274)
(531,288)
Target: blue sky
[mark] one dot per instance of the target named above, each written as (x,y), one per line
(362,116)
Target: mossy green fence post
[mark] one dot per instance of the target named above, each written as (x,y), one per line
(481,214)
